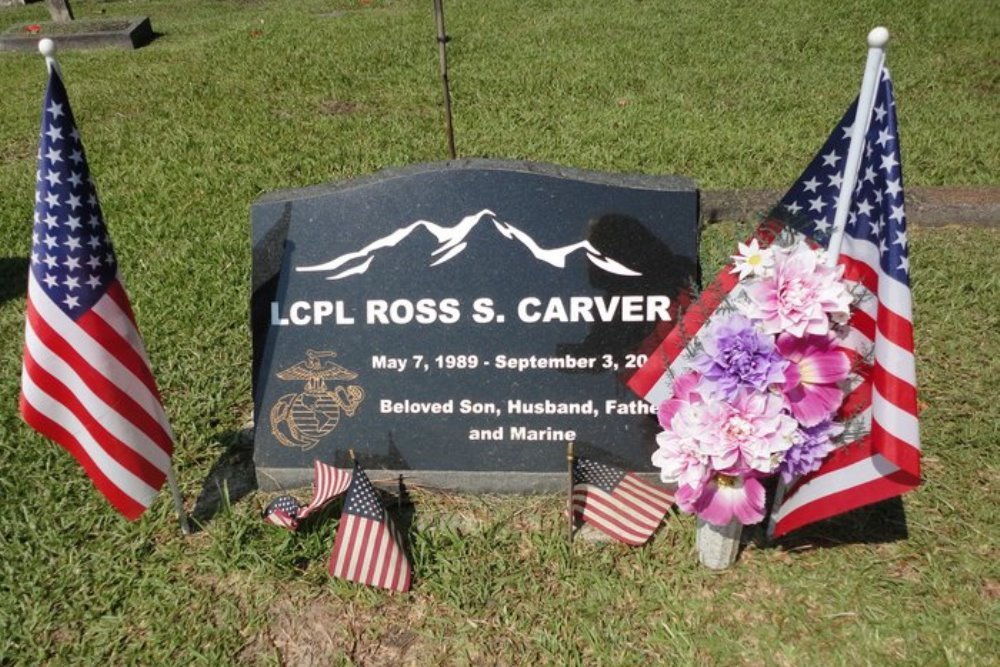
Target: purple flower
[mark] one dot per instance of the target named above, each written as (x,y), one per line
(810,446)
(736,356)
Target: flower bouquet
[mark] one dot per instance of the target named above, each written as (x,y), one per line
(758,395)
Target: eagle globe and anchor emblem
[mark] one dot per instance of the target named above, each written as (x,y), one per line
(302,419)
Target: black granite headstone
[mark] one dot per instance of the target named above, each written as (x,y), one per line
(460,322)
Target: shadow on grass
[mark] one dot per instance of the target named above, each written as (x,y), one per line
(231,478)
(879,523)
(13,278)
(875,524)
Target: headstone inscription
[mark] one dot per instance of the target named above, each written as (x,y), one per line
(460,322)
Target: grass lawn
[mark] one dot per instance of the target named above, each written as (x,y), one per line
(241,97)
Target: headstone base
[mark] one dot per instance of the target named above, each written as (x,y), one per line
(286,479)
(125,33)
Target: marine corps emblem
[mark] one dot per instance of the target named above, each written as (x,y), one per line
(302,419)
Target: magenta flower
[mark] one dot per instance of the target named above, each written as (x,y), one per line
(725,497)
(736,356)
(801,297)
(811,379)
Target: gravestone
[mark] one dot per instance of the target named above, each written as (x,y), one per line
(460,322)
(59,10)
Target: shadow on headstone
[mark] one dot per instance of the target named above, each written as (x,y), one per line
(232,478)
(13,278)
(662,272)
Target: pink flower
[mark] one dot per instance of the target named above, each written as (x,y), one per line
(707,437)
(685,391)
(811,379)
(680,457)
(725,497)
(771,431)
(800,297)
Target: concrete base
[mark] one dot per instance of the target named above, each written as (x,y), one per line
(125,33)
(285,479)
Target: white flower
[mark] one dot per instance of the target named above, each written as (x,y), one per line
(752,260)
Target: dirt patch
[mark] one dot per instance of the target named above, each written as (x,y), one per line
(318,631)
(334,107)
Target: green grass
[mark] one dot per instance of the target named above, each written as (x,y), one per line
(239,98)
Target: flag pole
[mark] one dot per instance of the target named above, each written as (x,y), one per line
(442,40)
(47,48)
(878,38)
(569,493)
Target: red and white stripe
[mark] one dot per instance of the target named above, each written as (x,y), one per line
(368,552)
(328,483)
(630,513)
(86,384)
(885,462)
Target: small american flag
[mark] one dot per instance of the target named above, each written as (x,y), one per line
(880,457)
(368,548)
(85,381)
(283,511)
(616,502)
(328,483)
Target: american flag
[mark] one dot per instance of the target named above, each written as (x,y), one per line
(86,382)
(616,502)
(328,483)
(880,455)
(368,548)
(283,511)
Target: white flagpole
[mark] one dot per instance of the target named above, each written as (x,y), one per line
(48,49)
(877,40)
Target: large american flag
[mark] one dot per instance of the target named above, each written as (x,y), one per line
(880,454)
(368,548)
(86,382)
(618,503)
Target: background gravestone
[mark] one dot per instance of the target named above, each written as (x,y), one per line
(461,321)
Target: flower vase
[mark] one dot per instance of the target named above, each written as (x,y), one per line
(718,545)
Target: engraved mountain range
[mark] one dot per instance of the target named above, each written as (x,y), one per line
(453,240)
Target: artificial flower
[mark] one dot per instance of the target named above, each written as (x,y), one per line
(752,260)
(680,456)
(736,356)
(800,297)
(685,391)
(714,436)
(816,366)
(810,446)
(763,430)
(726,497)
